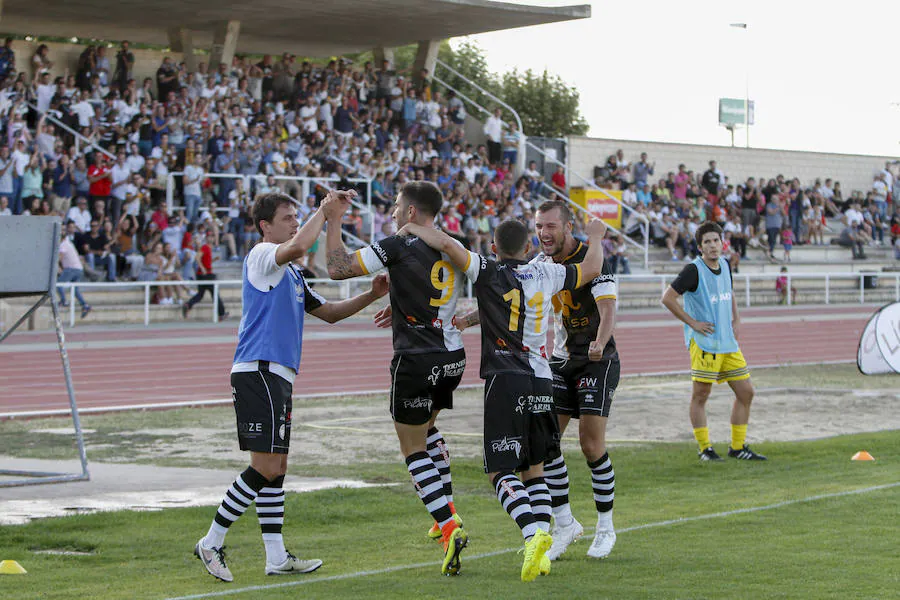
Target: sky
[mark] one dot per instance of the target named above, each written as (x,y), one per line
(824,76)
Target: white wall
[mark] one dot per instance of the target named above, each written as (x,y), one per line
(855,172)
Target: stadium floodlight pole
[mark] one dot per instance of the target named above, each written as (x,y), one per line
(746,84)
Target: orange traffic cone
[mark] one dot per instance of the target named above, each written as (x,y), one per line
(862,455)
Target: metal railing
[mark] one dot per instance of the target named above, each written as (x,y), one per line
(524,144)
(345,288)
(79,139)
(829,287)
(645,247)
(833,288)
(304,183)
(520,154)
(591,185)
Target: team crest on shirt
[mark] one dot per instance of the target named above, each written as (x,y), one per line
(437,323)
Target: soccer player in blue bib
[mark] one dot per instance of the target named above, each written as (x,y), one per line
(711,329)
(275,298)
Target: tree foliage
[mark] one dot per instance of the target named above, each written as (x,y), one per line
(547,106)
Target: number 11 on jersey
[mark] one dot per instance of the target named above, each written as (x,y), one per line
(514,297)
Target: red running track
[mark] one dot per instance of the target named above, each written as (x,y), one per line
(185,369)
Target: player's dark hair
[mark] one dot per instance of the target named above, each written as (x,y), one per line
(564,213)
(706,227)
(424,195)
(511,237)
(266,205)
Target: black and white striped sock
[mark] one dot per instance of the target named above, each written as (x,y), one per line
(603,481)
(237,500)
(429,486)
(515,500)
(440,455)
(270,512)
(540,500)
(556,476)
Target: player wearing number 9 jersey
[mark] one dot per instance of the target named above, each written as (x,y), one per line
(520,431)
(429,359)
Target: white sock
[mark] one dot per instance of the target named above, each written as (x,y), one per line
(605,521)
(275,550)
(215,537)
(563,515)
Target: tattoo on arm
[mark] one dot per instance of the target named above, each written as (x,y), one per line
(340,264)
(471,319)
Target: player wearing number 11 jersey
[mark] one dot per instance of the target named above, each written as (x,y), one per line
(520,430)
(429,359)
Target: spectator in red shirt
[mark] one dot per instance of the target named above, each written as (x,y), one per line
(100,178)
(160,217)
(559,179)
(205,262)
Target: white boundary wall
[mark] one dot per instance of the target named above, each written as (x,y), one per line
(855,172)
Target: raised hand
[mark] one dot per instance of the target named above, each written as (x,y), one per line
(596,227)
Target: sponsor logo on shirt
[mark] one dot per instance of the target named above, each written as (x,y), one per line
(380,252)
(715,298)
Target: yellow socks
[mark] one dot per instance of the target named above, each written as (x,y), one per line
(738,436)
(702,435)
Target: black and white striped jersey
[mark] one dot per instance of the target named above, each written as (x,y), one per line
(425,287)
(514,303)
(575,315)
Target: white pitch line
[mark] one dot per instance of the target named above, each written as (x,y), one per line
(739,511)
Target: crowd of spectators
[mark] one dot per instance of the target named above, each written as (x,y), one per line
(764,212)
(259,124)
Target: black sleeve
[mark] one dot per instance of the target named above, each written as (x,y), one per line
(486,275)
(572,277)
(606,275)
(389,249)
(687,280)
(312,300)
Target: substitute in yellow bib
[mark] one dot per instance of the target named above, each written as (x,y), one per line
(711,326)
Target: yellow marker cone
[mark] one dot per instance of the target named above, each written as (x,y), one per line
(862,455)
(11,567)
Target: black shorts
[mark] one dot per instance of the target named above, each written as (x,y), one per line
(424,383)
(262,405)
(520,429)
(584,386)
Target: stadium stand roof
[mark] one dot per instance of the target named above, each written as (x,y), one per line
(303,27)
